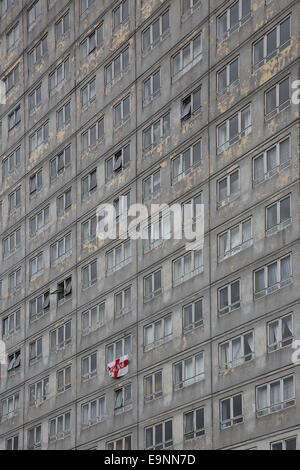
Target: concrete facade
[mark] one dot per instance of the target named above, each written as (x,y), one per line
(249,202)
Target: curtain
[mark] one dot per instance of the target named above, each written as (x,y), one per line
(262,398)
(236,352)
(188,371)
(274,335)
(272,274)
(285,268)
(275,396)
(288,388)
(225,356)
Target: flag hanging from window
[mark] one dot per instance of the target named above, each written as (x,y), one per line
(118,368)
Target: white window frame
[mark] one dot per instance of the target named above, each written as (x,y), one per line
(195,432)
(89,268)
(283,404)
(154,41)
(99,418)
(279,166)
(13,242)
(229,85)
(44,384)
(125,309)
(45,305)
(153,94)
(237,26)
(280,225)
(155,393)
(15,319)
(280,342)
(15,399)
(163,135)
(241,132)
(278,107)
(152,194)
(123,118)
(243,245)
(88,48)
(65,68)
(191,168)
(66,385)
(113,346)
(233,420)
(66,430)
(99,125)
(185,276)
(279,284)
(124,261)
(186,382)
(91,372)
(44,132)
(125,405)
(231,306)
(195,324)
(242,358)
(123,68)
(55,246)
(163,444)
(153,293)
(12,162)
(166,336)
(194,59)
(90,91)
(99,310)
(36,266)
(59,346)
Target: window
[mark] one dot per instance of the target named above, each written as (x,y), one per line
(189,371)
(228,188)
(14,280)
(118,162)
(189,6)
(273,277)
(237,351)
(188,161)
(14,118)
(64,203)
(188,56)
(235,239)
(151,87)
(93,412)
(277,98)
(88,94)
(157,132)
(93,319)
(124,443)
(286,444)
(38,53)
(231,411)
(14,200)
(93,42)
(158,333)
(192,315)
(275,396)
(89,275)
(36,266)
(14,361)
(272,161)
(229,297)
(116,69)
(59,164)
(11,243)
(39,306)
(93,136)
(38,138)
(13,36)
(5,7)
(38,222)
(118,349)
(272,44)
(34,13)
(35,183)
(123,399)
(123,301)
(155,33)
(12,443)
(11,324)
(60,337)
(89,230)
(60,427)
(278,215)
(194,424)
(228,77)
(89,183)
(280,333)
(233,18)
(60,74)
(89,366)
(35,350)
(64,116)
(64,379)
(153,386)
(62,27)
(118,257)
(159,436)
(187,266)
(35,99)
(61,249)
(86,6)
(39,392)
(191,106)
(121,14)
(10,407)
(152,285)
(234,129)
(157,232)
(151,186)
(12,79)
(122,112)
(64,290)
(34,437)
(121,207)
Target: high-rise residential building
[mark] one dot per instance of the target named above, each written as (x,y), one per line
(149,102)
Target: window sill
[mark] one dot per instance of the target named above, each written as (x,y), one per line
(283,406)
(278,228)
(192,327)
(235,140)
(228,200)
(273,289)
(228,89)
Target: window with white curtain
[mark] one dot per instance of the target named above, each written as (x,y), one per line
(235,239)
(158,333)
(231,411)
(188,371)
(60,427)
(272,161)
(273,277)
(237,351)
(10,407)
(275,396)
(123,399)
(38,392)
(93,412)
(280,333)
(234,129)
(278,215)
(187,266)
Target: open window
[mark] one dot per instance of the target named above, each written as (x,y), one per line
(64,289)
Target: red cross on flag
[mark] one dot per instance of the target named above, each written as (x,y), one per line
(118,368)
